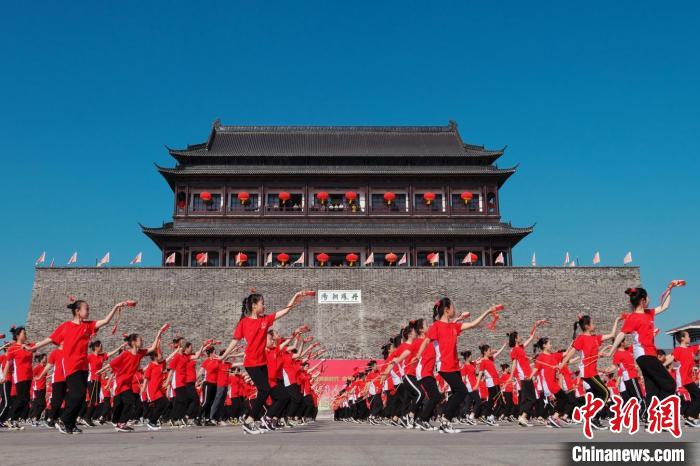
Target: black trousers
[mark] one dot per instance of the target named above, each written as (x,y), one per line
(94,388)
(182,400)
(472,403)
(694,406)
(509,408)
(156,409)
(490,405)
(280,399)
(599,390)
(209,396)
(562,402)
(123,406)
(657,381)
(258,375)
(58,394)
(413,396)
(459,392)
(527,396)
(38,404)
(5,390)
(20,404)
(432,397)
(632,390)
(76,384)
(375,404)
(295,398)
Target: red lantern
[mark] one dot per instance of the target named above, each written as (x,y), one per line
(322,258)
(428,198)
(243,197)
(352,258)
(241,258)
(351,196)
(391,258)
(466,197)
(284,196)
(473,257)
(283,258)
(322,197)
(389,197)
(205,196)
(200,257)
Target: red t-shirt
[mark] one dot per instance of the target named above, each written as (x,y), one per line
(506,382)
(56,359)
(625,362)
(75,338)
(490,372)
(222,375)
(289,368)
(547,364)
(445,334)
(21,361)
(569,381)
(235,386)
(95,362)
(426,364)
(211,368)
(272,359)
(410,368)
(178,365)
(401,367)
(154,375)
(522,363)
(587,346)
(641,327)
(686,358)
(124,367)
(468,371)
(191,371)
(254,332)
(39,384)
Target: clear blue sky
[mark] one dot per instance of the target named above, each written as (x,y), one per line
(597,102)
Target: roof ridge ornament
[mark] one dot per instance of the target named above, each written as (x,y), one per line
(216,124)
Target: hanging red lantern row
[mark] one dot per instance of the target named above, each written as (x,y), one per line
(284,196)
(322,258)
(391,258)
(389,197)
(243,197)
(428,198)
(466,197)
(322,197)
(181,200)
(205,196)
(282,258)
(352,258)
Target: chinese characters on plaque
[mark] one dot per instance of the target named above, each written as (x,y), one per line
(339,296)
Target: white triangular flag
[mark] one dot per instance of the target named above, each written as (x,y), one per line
(51,264)
(73,259)
(41,259)
(628,258)
(534,260)
(566,259)
(136,260)
(403,260)
(299,261)
(572,263)
(170,259)
(467,258)
(596,258)
(370,259)
(500,259)
(435,258)
(103,261)
(268,259)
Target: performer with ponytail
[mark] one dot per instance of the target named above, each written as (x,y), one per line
(588,346)
(252,327)
(489,373)
(522,371)
(547,364)
(444,333)
(640,324)
(20,360)
(75,335)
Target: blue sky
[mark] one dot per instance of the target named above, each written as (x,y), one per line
(598,102)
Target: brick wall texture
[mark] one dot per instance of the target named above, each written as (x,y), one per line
(205,302)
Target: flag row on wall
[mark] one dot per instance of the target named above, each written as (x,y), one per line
(568,262)
(73,259)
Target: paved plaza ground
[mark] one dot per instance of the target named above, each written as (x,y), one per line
(324,443)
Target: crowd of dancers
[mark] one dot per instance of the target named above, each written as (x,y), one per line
(264,381)
(264,385)
(423,384)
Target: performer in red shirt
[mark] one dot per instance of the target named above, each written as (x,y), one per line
(38,389)
(522,372)
(547,365)
(75,335)
(209,371)
(252,327)
(19,359)
(489,374)
(640,325)
(444,334)
(685,356)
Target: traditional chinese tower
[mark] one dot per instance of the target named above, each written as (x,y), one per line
(336,196)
